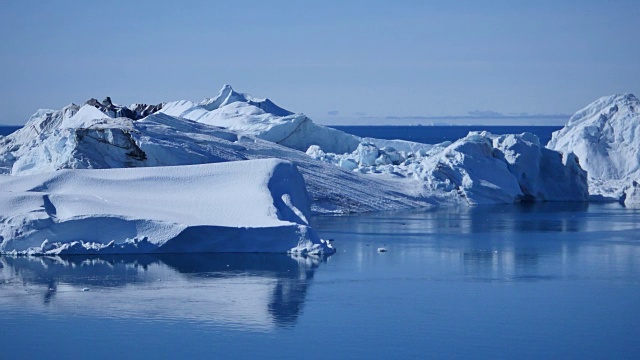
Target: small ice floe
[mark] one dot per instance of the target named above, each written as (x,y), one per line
(85,289)
(382,249)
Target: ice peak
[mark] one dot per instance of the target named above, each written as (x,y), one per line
(604,135)
(616,99)
(227,96)
(606,107)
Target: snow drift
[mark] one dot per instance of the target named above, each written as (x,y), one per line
(248,206)
(605,136)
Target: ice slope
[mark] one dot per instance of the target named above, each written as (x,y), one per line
(480,168)
(243,206)
(263,119)
(92,140)
(605,136)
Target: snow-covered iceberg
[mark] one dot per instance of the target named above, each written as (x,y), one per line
(241,206)
(605,136)
(87,138)
(480,168)
(343,173)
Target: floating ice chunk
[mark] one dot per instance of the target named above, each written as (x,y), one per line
(632,195)
(366,154)
(348,164)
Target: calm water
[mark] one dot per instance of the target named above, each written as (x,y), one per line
(531,281)
(6,130)
(438,134)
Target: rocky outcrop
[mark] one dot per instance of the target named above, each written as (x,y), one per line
(133,112)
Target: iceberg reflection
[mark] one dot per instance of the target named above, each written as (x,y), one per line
(256,291)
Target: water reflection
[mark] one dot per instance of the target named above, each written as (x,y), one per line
(258,291)
(525,242)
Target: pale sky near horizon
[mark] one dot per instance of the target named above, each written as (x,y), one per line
(333,60)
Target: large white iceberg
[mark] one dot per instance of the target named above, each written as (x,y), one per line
(605,136)
(343,173)
(240,206)
(87,138)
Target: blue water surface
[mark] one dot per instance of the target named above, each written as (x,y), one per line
(527,281)
(6,130)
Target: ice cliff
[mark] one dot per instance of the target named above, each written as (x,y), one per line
(605,136)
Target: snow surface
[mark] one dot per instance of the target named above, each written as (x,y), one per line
(242,206)
(263,119)
(605,136)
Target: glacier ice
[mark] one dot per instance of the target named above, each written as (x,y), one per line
(605,136)
(480,168)
(342,173)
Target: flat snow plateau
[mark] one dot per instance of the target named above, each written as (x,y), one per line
(248,206)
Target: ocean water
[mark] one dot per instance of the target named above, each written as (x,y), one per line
(534,281)
(6,130)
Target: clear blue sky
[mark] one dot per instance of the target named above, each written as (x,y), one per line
(379,58)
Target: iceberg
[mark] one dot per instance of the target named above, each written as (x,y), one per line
(87,138)
(343,173)
(605,136)
(480,168)
(239,206)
